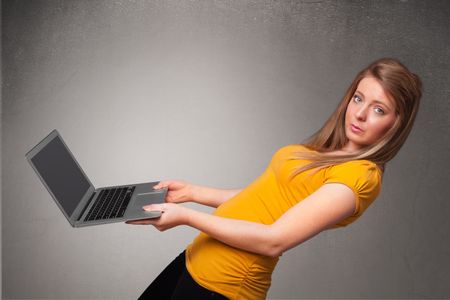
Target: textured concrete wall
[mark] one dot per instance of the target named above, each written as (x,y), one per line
(206,91)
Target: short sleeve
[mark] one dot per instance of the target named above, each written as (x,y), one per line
(363,177)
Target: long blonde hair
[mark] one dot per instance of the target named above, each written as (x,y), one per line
(403,86)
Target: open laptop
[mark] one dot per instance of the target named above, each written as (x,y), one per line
(78,199)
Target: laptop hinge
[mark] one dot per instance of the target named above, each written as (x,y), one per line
(86,206)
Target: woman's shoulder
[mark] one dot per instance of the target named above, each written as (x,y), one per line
(357,171)
(358,164)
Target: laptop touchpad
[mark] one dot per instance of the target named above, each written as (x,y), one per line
(149,198)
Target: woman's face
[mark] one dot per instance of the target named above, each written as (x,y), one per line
(370,113)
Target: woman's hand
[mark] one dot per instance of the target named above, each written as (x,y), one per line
(171,215)
(180,191)
(177,191)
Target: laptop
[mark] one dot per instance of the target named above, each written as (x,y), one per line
(81,203)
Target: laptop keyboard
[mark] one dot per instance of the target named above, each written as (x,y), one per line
(110,204)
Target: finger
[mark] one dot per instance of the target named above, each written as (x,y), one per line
(162,184)
(154,207)
(157,186)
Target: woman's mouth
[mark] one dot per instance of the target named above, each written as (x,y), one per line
(355,129)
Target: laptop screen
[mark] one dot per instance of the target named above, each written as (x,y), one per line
(61,173)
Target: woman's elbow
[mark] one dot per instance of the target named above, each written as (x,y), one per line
(277,244)
(273,248)
(277,249)
(269,242)
(273,252)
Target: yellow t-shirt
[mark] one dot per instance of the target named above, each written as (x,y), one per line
(239,274)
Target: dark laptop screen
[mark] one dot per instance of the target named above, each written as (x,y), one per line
(61,174)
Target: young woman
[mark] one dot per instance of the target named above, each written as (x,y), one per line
(326,182)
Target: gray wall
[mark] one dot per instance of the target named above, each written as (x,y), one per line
(206,91)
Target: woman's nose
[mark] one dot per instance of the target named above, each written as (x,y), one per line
(361,113)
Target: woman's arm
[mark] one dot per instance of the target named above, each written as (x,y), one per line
(327,206)
(213,197)
(181,191)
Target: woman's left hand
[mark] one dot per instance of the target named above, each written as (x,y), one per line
(171,215)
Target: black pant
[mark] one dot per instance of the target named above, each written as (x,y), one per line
(175,283)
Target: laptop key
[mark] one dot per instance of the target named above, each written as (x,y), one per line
(110,203)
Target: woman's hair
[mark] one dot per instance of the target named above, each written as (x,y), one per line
(403,86)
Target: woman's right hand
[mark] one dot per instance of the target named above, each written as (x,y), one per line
(177,191)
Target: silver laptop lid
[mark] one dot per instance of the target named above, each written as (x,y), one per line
(61,175)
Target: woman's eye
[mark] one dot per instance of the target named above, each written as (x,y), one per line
(379,110)
(357,99)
